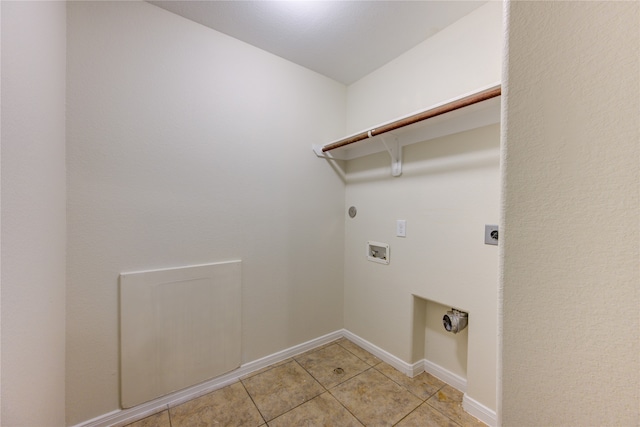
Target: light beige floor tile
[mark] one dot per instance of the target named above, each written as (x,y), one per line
(448,400)
(320,347)
(287,395)
(161,419)
(423,385)
(229,406)
(282,388)
(332,365)
(265,369)
(363,354)
(426,416)
(374,399)
(323,410)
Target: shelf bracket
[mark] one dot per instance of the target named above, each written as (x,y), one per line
(393,147)
(317,149)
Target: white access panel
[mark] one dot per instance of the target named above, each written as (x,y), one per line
(178,327)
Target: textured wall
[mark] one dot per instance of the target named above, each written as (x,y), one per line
(571,177)
(450,188)
(33,213)
(186,146)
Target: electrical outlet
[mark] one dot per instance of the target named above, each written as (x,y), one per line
(490,234)
(401,228)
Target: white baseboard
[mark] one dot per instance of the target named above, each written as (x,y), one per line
(454,380)
(126,416)
(402,366)
(472,406)
(478,410)
(411,370)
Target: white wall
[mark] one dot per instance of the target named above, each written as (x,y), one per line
(33,213)
(186,146)
(442,348)
(571,341)
(449,189)
(459,59)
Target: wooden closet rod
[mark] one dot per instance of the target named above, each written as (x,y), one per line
(424,115)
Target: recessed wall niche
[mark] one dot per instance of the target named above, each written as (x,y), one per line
(444,352)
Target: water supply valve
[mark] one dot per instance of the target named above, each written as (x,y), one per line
(378,252)
(455,320)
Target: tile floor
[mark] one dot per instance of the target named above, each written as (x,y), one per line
(338,384)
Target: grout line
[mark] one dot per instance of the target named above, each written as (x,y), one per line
(439,411)
(351,352)
(397,383)
(340,402)
(418,407)
(329,390)
(297,406)
(400,420)
(266,369)
(252,401)
(311,375)
(323,347)
(291,409)
(343,405)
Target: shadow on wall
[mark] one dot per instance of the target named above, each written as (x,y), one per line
(448,154)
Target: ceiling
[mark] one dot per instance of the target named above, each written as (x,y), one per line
(343,40)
